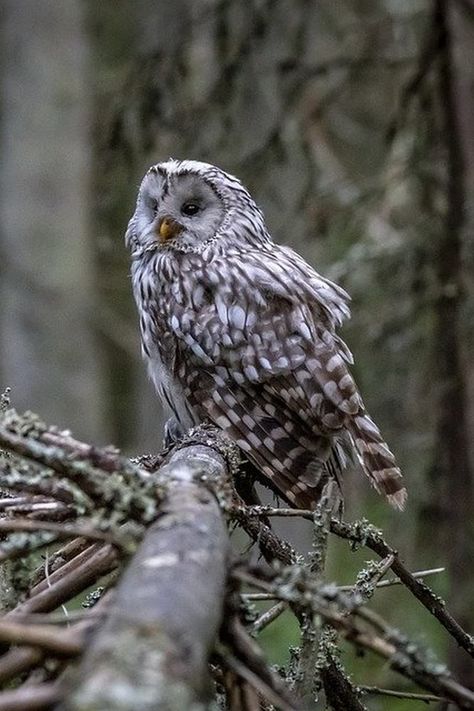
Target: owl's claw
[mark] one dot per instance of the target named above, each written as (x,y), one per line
(173,432)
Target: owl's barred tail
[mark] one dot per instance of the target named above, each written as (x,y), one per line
(378,461)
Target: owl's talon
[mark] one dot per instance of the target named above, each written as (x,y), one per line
(173,432)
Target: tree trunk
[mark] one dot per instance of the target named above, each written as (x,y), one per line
(153,652)
(48,353)
(452,476)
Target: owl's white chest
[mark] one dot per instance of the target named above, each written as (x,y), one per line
(156,341)
(170,391)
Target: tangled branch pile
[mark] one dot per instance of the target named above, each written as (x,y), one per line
(171,625)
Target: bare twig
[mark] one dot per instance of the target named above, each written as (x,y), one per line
(364,534)
(15,501)
(376,691)
(30,698)
(102,562)
(396,581)
(266,618)
(229,660)
(60,530)
(51,575)
(59,558)
(367,536)
(67,643)
(39,618)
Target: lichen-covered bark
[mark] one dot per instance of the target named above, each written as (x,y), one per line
(153,652)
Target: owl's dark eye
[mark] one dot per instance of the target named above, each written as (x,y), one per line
(189,208)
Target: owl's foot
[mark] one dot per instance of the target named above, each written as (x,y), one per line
(173,432)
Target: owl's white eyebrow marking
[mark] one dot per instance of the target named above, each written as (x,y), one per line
(165,186)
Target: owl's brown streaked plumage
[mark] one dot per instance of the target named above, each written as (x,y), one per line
(241,332)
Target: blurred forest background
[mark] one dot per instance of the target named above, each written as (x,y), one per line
(351,122)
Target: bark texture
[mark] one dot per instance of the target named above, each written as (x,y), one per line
(153,652)
(452,475)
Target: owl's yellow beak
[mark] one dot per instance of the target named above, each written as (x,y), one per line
(168,228)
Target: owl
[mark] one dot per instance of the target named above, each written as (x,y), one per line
(240,332)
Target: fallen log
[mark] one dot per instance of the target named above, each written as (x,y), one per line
(153,650)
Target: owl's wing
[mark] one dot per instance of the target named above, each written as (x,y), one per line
(258,355)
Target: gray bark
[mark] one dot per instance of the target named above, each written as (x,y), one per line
(152,654)
(47,351)
(452,475)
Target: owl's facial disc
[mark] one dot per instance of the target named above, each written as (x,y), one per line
(185,211)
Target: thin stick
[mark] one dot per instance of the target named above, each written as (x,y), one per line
(51,578)
(101,563)
(376,691)
(255,681)
(68,643)
(23,500)
(422,592)
(40,618)
(59,558)
(367,536)
(269,616)
(61,530)
(260,511)
(30,698)
(395,581)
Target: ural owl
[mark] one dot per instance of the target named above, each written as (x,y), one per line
(241,332)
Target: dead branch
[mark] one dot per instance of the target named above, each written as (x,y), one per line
(67,643)
(163,620)
(59,530)
(74,462)
(362,533)
(30,698)
(168,606)
(103,561)
(370,537)
(340,693)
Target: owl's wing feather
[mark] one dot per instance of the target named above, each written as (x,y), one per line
(269,434)
(276,370)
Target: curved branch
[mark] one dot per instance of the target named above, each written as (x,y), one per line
(168,607)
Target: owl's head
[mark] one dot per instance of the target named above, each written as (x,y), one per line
(186,205)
